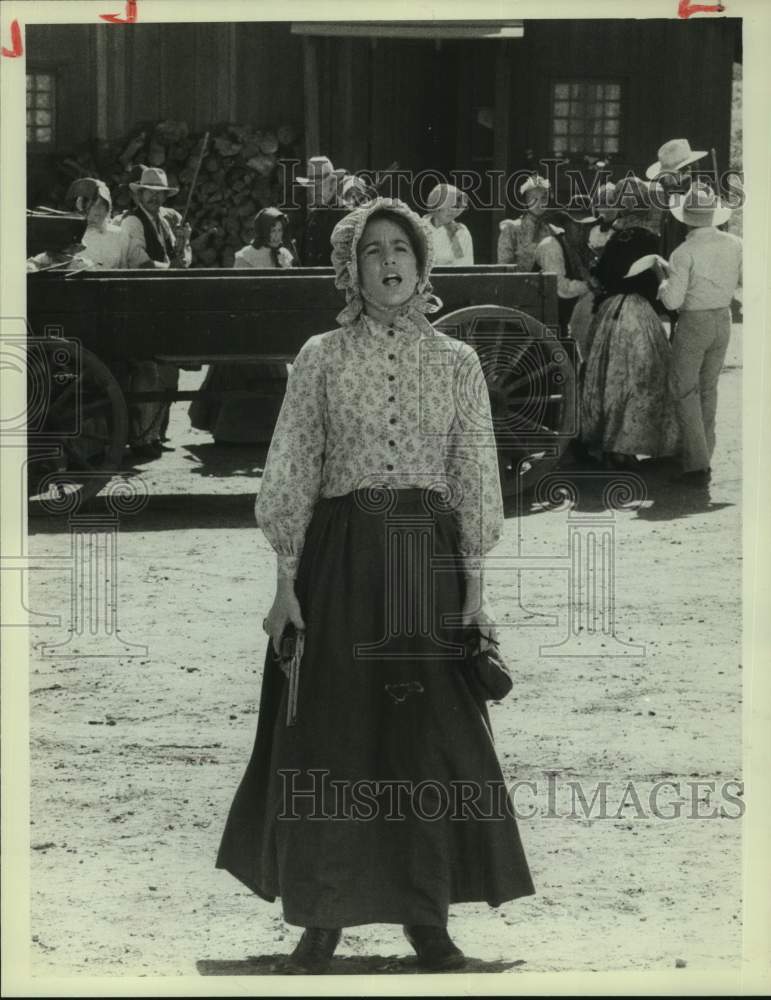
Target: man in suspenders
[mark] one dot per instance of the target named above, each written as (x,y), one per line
(156,239)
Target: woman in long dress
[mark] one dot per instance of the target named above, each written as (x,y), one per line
(627,411)
(380,496)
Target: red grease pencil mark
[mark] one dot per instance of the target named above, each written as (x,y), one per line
(130,18)
(18,48)
(685,8)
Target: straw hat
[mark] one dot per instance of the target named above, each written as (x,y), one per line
(673,156)
(153,179)
(700,206)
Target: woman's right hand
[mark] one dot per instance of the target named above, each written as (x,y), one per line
(285,609)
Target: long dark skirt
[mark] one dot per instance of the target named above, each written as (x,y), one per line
(385,802)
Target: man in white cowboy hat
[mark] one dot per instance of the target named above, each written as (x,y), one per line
(325,207)
(672,174)
(700,280)
(518,238)
(673,157)
(565,252)
(155,233)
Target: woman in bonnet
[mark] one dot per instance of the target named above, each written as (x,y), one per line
(380,496)
(453,246)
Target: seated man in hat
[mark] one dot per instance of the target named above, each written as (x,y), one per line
(155,233)
(325,208)
(565,253)
(156,239)
(519,238)
(700,280)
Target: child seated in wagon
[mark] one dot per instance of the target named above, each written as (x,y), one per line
(248,420)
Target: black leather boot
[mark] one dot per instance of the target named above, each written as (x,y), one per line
(314,950)
(434,947)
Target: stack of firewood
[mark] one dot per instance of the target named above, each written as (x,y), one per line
(241,172)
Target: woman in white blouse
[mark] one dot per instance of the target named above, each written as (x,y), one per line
(380,496)
(452,240)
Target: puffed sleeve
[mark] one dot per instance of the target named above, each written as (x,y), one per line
(472,462)
(506,242)
(292,477)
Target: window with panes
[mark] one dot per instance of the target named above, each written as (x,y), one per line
(41,97)
(586,117)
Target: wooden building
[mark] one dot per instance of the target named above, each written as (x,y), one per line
(490,97)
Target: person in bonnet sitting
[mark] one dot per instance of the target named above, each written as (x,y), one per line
(243,420)
(271,246)
(102,246)
(519,238)
(452,240)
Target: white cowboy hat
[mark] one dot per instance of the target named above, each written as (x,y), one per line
(532,183)
(700,206)
(673,156)
(319,167)
(153,179)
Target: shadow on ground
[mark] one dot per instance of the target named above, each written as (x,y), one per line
(162,512)
(359,965)
(222,460)
(645,490)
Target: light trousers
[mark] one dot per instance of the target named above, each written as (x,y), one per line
(698,352)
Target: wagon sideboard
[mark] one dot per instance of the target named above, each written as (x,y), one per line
(206,315)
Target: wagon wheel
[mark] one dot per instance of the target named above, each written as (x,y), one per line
(77,424)
(531,378)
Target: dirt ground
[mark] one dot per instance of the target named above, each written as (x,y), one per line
(135,758)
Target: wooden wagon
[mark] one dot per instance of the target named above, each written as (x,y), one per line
(83,327)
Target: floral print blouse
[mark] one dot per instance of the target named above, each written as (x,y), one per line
(370,405)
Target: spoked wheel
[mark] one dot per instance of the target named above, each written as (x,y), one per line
(531,378)
(77,425)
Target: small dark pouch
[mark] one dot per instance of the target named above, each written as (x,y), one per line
(486,667)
